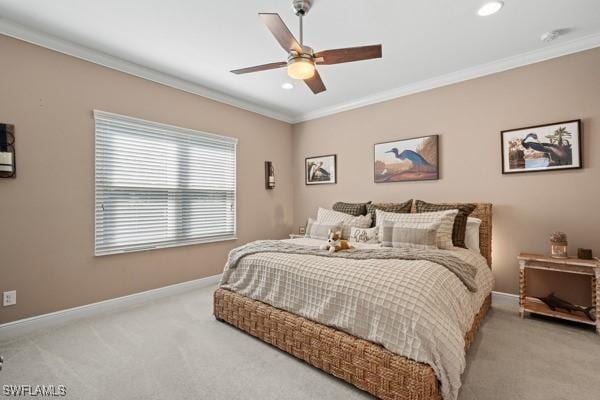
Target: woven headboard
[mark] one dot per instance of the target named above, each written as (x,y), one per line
(483,211)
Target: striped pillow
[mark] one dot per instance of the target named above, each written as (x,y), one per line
(389,207)
(460,222)
(444,218)
(316,230)
(355,209)
(346,221)
(417,235)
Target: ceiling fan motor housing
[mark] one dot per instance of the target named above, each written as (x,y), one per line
(301,7)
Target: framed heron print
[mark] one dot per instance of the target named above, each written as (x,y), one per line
(404,160)
(547,147)
(320,170)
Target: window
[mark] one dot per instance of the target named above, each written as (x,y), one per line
(161,186)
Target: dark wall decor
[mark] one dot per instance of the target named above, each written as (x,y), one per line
(8,167)
(320,170)
(404,160)
(269,175)
(546,147)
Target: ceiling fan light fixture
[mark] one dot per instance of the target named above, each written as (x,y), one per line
(301,68)
(490,8)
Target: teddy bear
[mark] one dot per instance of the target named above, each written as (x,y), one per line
(335,242)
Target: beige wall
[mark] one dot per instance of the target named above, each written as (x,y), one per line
(469,117)
(46,214)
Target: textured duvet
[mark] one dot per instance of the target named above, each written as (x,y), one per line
(414,308)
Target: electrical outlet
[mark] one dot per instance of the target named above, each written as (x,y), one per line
(9,298)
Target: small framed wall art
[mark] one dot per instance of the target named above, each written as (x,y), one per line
(320,170)
(405,160)
(546,147)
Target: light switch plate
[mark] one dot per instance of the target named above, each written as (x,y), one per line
(9,298)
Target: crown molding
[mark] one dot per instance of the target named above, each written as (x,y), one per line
(520,60)
(27,34)
(22,32)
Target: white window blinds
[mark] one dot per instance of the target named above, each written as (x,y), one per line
(161,186)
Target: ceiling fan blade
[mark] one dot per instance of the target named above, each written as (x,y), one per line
(281,32)
(348,54)
(257,68)
(315,83)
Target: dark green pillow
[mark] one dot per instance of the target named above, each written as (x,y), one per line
(459,229)
(355,209)
(401,208)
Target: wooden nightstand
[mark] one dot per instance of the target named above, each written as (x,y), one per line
(295,236)
(567,265)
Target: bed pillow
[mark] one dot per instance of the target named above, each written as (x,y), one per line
(460,222)
(414,235)
(355,209)
(389,207)
(346,221)
(472,234)
(363,235)
(444,218)
(316,230)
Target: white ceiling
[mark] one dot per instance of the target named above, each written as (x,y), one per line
(425,43)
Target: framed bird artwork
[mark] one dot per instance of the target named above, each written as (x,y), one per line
(321,170)
(414,159)
(546,147)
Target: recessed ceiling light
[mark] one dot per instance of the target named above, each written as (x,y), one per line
(490,8)
(287,86)
(550,36)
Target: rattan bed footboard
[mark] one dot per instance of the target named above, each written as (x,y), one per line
(366,365)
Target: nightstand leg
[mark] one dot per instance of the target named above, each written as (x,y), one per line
(522,288)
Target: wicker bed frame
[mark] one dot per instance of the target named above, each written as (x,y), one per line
(364,364)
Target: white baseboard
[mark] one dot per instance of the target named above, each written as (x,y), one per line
(27,325)
(502,297)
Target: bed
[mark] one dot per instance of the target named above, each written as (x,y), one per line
(370,365)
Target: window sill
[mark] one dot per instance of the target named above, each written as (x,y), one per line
(160,247)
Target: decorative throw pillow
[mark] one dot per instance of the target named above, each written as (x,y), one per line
(363,235)
(316,230)
(355,209)
(472,235)
(346,221)
(389,207)
(460,222)
(444,218)
(414,235)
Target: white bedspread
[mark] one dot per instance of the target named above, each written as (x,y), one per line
(417,309)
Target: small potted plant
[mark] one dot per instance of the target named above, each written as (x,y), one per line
(558,245)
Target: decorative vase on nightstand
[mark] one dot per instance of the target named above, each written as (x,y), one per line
(558,245)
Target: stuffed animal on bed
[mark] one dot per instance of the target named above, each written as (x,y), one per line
(335,242)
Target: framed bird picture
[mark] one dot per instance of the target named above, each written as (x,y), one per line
(546,147)
(405,160)
(321,170)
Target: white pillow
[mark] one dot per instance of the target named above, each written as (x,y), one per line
(346,221)
(416,236)
(316,230)
(472,234)
(444,218)
(363,235)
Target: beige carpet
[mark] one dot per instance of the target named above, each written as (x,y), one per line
(174,349)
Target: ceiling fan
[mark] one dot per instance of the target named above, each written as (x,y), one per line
(302,60)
